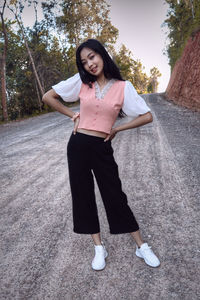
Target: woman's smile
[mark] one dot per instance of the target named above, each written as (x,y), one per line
(93,70)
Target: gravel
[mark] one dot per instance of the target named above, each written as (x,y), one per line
(159,165)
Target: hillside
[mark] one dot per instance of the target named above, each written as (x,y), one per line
(184,84)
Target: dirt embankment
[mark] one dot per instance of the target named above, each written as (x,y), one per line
(184,84)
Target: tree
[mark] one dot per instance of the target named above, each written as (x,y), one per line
(183,19)
(17,7)
(140,78)
(131,69)
(125,62)
(153,81)
(3,65)
(83,19)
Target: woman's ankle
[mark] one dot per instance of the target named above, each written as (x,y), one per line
(97,239)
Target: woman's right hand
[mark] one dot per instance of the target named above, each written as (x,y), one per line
(76,123)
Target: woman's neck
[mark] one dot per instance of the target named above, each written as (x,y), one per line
(102,80)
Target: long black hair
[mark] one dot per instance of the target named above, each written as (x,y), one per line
(109,67)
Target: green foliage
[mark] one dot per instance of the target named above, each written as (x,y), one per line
(125,62)
(153,80)
(83,19)
(132,70)
(183,18)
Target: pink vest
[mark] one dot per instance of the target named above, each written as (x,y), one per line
(100,114)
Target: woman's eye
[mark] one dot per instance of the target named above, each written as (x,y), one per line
(91,57)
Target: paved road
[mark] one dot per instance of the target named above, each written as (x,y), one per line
(41,258)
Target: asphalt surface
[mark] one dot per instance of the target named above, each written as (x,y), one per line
(159,165)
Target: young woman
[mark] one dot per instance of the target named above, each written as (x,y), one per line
(103,96)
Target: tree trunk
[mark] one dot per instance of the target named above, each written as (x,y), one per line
(38,95)
(3,88)
(33,66)
(3,68)
(192,8)
(29,53)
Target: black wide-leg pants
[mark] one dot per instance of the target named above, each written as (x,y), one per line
(88,155)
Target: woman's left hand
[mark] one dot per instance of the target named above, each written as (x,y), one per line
(111,135)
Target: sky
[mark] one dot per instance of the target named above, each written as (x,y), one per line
(139,24)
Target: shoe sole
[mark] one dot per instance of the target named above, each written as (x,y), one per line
(99,269)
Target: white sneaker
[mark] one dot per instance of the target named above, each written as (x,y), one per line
(99,262)
(147,254)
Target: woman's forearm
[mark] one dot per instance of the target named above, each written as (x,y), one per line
(51,98)
(139,121)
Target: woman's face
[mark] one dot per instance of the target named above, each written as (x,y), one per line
(92,61)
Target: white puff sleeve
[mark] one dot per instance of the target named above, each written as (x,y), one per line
(69,89)
(134,104)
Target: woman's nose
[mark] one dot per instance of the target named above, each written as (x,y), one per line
(89,63)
